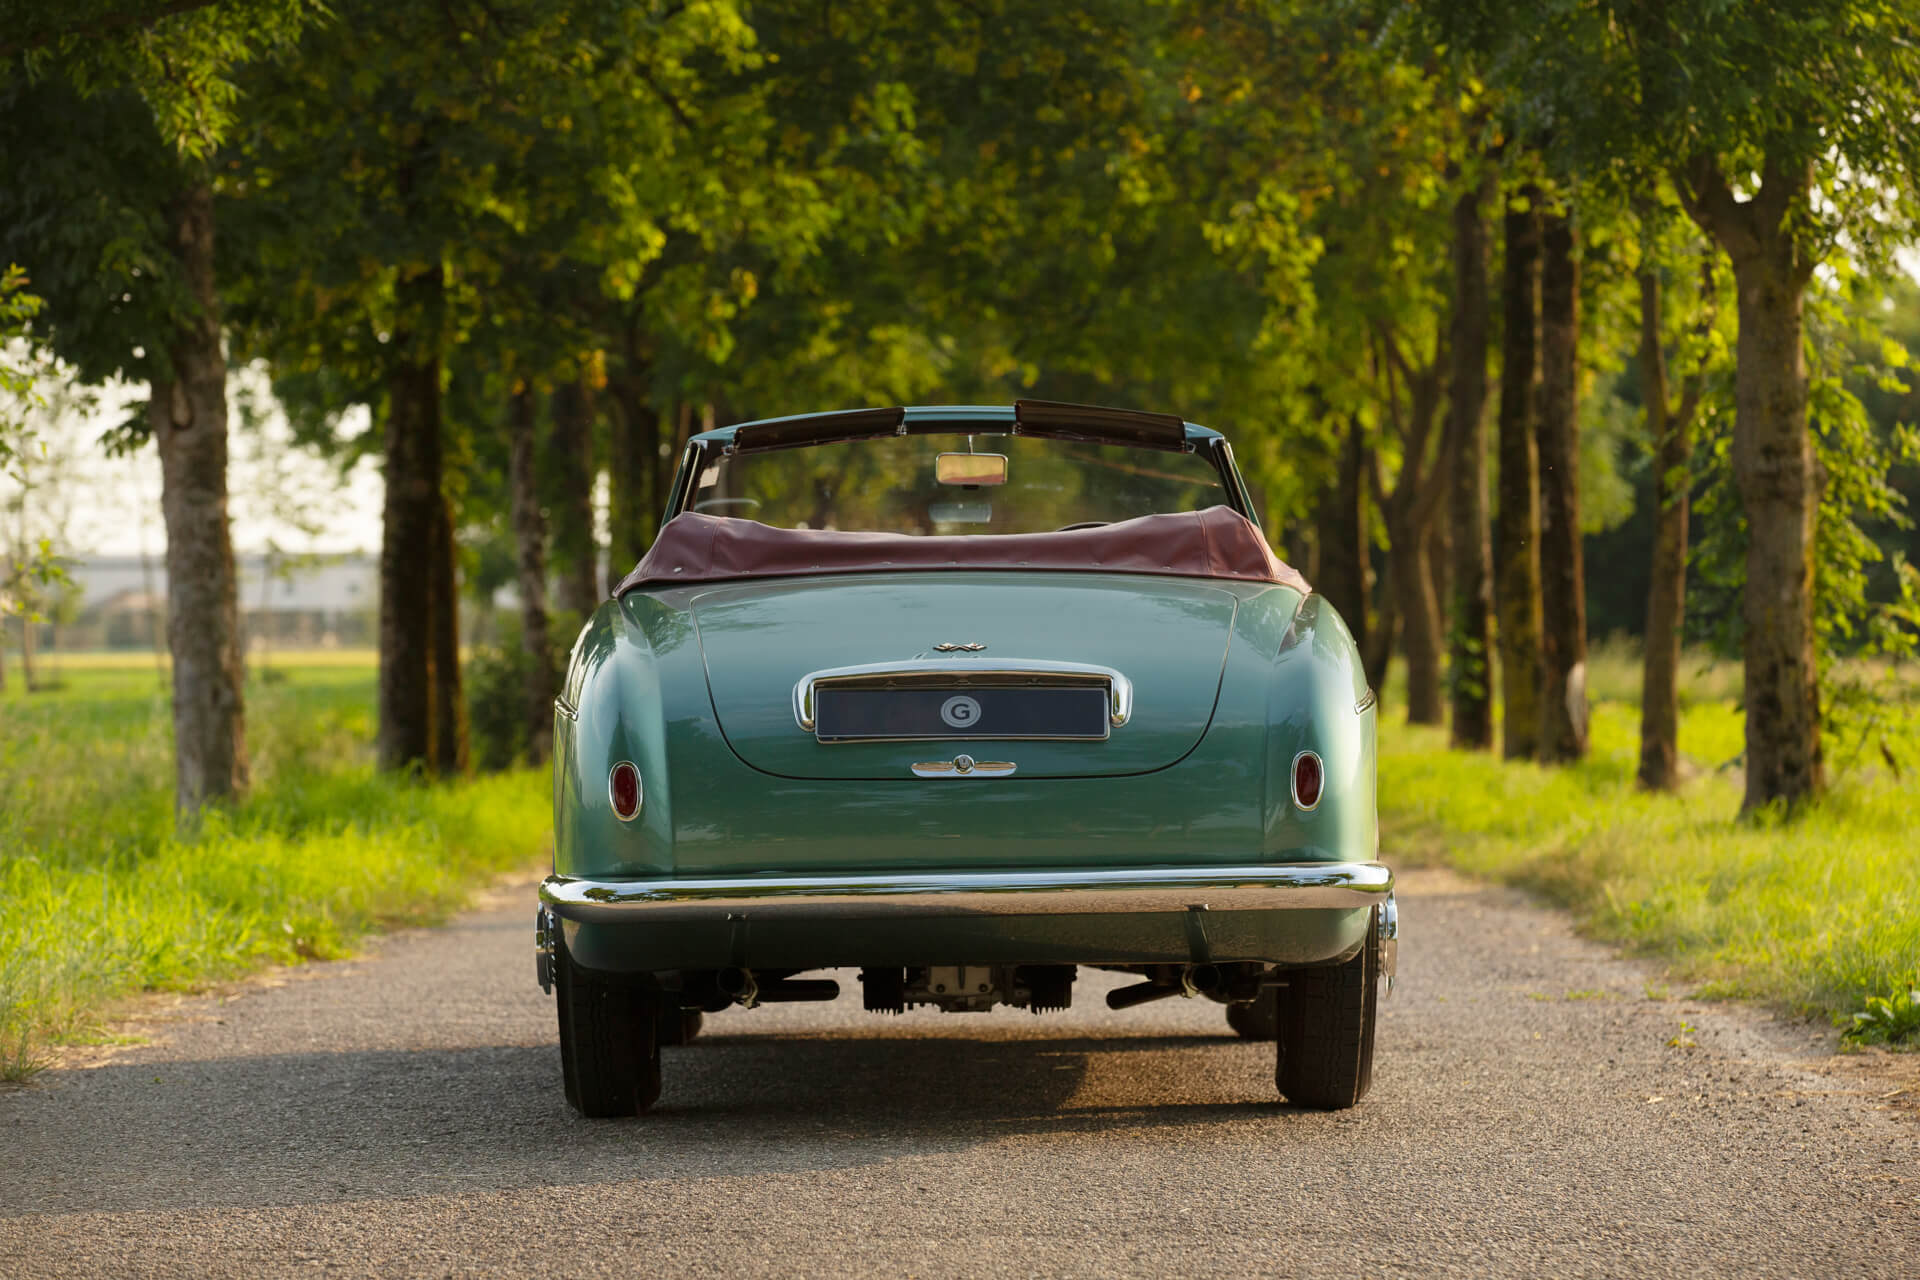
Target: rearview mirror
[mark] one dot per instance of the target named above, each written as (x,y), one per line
(970,468)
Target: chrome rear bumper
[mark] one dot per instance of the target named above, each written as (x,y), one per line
(1323,885)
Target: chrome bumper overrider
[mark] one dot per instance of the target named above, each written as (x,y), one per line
(961,893)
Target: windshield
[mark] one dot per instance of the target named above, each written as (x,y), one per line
(959,483)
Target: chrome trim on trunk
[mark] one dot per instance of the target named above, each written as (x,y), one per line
(1071,891)
(964,767)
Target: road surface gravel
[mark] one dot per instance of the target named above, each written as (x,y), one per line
(1536,1109)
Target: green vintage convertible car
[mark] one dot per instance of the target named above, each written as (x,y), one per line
(963,698)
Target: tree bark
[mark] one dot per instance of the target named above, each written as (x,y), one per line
(1563,691)
(574,550)
(409,549)
(1470,638)
(31,682)
(1382,633)
(1668,427)
(1412,514)
(1340,534)
(530,546)
(1774,467)
(633,458)
(449,701)
(1517,525)
(187,413)
(1418,607)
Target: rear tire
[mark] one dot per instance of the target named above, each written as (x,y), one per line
(1259,1020)
(609,1045)
(1326,1016)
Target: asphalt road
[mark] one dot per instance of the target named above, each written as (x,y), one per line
(401,1114)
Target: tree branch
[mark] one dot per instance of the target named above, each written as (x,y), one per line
(1710,202)
(104,25)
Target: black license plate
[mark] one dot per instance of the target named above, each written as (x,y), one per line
(842,715)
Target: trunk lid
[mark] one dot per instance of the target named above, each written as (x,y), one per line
(1168,638)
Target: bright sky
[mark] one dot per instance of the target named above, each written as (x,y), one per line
(111,506)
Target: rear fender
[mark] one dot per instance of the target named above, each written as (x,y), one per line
(614,705)
(1318,701)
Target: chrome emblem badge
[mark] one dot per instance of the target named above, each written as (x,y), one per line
(961,712)
(947,646)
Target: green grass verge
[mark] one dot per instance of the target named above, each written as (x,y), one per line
(1820,914)
(100,898)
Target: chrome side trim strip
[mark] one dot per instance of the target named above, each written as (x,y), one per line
(1366,702)
(566,709)
(961,674)
(961,893)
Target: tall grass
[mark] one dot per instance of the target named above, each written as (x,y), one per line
(101,897)
(1817,913)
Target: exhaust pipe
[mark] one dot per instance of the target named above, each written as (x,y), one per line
(798,989)
(740,986)
(1144,993)
(1195,980)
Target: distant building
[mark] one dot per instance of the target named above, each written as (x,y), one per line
(303,602)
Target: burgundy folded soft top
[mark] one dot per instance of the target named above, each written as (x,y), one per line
(1216,543)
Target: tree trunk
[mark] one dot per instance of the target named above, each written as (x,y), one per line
(1470,639)
(1667,590)
(1382,633)
(410,536)
(1517,525)
(449,702)
(187,414)
(574,550)
(1340,534)
(1774,467)
(1411,510)
(28,679)
(530,545)
(1563,691)
(1440,546)
(632,461)
(1418,607)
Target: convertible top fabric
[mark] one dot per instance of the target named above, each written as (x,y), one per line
(1216,543)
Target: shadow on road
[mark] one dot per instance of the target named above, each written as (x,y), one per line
(312,1128)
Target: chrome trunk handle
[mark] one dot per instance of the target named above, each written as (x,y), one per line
(964,767)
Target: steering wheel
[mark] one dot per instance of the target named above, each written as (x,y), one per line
(1082,524)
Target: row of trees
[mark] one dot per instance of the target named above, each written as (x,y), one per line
(1393,248)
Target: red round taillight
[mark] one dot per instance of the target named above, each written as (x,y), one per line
(1309,776)
(623,789)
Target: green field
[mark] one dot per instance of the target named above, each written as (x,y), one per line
(99,898)
(1819,915)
